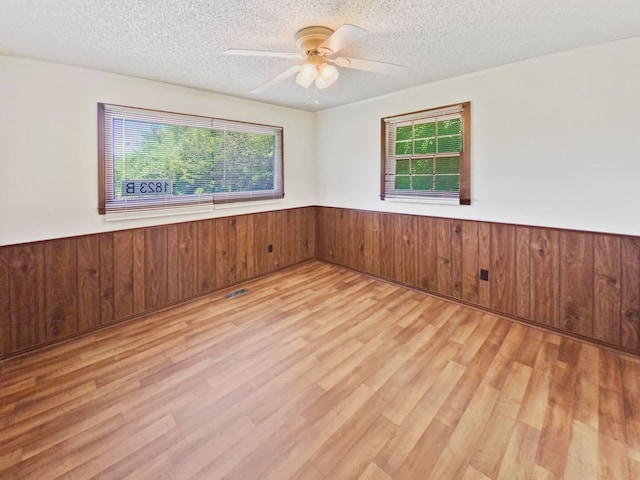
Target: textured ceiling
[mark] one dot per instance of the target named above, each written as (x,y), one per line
(181,41)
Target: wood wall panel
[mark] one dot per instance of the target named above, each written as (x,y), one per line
(606,310)
(5,312)
(581,283)
(427,254)
(123,274)
(456,258)
(470,262)
(503,268)
(523,272)
(484,263)
(544,261)
(61,288)
(26,295)
(576,282)
(106,278)
(155,267)
(443,259)
(371,242)
(173,264)
(88,282)
(187,260)
(206,256)
(261,243)
(138,271)
(223,265)
(630,293)
(387,249)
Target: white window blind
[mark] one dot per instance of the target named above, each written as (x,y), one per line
(152,160)
(426,155)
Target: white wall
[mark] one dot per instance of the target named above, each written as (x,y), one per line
(554,142)
(48,146)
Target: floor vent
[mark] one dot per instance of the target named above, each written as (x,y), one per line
(237,293)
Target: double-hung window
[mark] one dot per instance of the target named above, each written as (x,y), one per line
(425,155)
(151,161)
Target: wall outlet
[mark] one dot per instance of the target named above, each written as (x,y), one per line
(270,248)
(484,275)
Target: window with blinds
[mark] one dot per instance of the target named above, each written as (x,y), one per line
(425,155)
(153,161)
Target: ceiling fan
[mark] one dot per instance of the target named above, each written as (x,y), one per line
(317,44)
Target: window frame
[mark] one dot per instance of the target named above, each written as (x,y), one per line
(464,197)
(106,199)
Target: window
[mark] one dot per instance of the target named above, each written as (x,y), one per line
(425,155)
(152,160)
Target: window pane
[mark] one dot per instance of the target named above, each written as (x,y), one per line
(448,183)
(448,165)
(425,146)
(450,144)
(403,148)
(180,155)
(404,133)
(245,164)
(402,183)
(422,166)
(402,166)
(424,130)
(450,127)
(422,182)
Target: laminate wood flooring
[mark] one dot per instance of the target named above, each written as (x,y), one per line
(320,373)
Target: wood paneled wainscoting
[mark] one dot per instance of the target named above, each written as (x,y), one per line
(579,283)
(55,289)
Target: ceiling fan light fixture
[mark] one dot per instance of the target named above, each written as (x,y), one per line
(307,74)
(327,74)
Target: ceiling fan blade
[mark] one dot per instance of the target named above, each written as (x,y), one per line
(345,35)
(278,78)
(262,53)
(370,66)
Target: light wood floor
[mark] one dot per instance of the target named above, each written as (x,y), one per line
(319,372)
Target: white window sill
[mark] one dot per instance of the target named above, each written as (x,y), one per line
(257,203)
(429,201)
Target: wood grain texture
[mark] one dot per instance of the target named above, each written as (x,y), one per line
(576,282)
(544,258)
(223,265)
(138,271)
(173,265)
(523,272)
(371,237)
(503,268)
(188,260)
(456,259)
(484,262)
(206,256)
(5,308)
(387,246)
(260,387)
(88,282)
(606,289)
(123,274)
(26,295)
(406,245)
(470,262)
(155,267)
(61,287)
(443,248)
(105,241)
(427,254)
(630,293)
